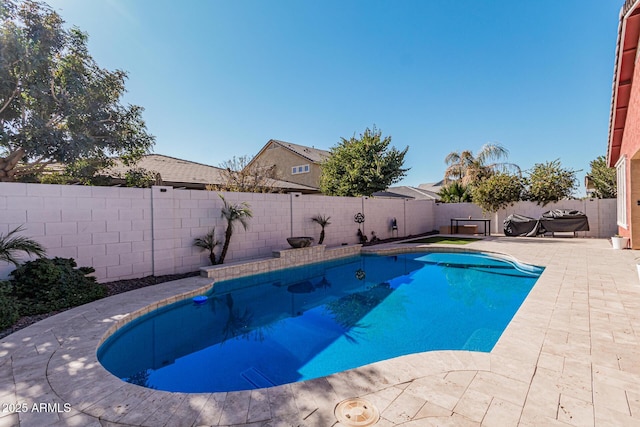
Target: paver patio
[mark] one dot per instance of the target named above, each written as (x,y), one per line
(570,356)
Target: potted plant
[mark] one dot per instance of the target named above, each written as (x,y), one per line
(619,242)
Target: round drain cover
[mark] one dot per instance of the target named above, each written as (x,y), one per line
(357,412)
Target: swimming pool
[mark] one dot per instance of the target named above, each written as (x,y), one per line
(308,322)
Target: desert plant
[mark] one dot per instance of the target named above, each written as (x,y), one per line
(11,244)
(323,221)
(8,306)
(456,192)
(46,285)
(233,213)
(209,243)
(467,168)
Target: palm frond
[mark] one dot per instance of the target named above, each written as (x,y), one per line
(208,242)
(10,245)
(491,151)
(322,220)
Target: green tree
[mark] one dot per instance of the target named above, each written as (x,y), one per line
(361,166)
(11,244)
(468,168)
(140,177)
(603,179)
(455,192)
(549,182)
(56,103)
(233,213)
(497,191)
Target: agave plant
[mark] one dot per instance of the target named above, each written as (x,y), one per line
(233,213)
(10,245)
(323,221)
(209,243)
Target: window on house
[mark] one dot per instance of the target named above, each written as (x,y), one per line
(300,169)
(621,175)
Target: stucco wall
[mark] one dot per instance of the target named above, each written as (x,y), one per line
(630,148)
(285,159)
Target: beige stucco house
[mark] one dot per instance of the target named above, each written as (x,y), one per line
(294,163)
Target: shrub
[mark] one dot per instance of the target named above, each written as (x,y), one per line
(8,306)
(46,285)
(550,182)
(497,192)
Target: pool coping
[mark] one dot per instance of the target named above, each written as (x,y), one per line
(56,361)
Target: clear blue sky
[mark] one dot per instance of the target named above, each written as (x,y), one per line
(220,78)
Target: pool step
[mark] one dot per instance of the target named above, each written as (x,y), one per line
(256,378)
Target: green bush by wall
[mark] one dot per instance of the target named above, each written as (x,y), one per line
(8,306)
(46,285)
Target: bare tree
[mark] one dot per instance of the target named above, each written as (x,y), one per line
(241,174)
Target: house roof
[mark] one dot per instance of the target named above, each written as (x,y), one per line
(626,48)
(312,154)
(407,192)
(433,187)
(174,170)
(185,173)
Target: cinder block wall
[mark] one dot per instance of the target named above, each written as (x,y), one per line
(600,212)
(108,228)
(130,232)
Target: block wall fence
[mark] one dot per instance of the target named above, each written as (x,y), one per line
(134,232)
(601,214)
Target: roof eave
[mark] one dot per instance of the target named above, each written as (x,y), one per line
(624,65)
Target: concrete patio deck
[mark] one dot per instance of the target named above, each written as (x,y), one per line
(570,356)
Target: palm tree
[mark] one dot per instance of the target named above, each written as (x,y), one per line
(455,193)
(468,168)
(10,245)
(208,242)
(323,221)
(239,212)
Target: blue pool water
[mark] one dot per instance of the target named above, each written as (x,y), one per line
(308,322)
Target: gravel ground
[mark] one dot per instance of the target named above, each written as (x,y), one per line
(120,286)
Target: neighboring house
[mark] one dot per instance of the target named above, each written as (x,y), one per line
(589,186)
(432,187)
(407,192)
(175,172)
(186,174)
(623,151)
(294,163)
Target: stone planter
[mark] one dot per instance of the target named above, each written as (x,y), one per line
(300,242)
